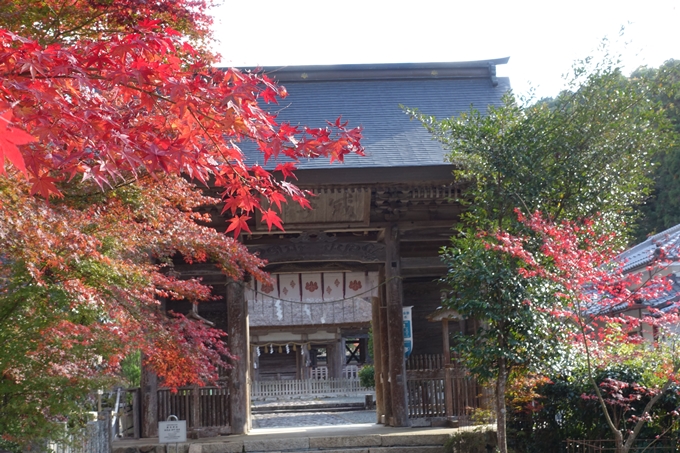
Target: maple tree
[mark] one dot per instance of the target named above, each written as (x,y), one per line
(110,114)
(594,294)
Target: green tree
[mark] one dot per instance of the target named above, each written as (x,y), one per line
(587,151)
(662,210)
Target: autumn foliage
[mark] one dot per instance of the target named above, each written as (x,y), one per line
(110,114)
(600,300)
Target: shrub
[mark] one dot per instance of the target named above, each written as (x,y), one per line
(367,376)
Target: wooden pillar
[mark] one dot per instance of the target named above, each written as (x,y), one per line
(335,358)
(149,384)
(136,414)
(343,348)
(363,348)
(377,359)
(254,364)
(196,407)
(384,352)
(448,382)
(238,342)
(395,328)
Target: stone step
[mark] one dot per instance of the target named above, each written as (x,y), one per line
(309,408)
(409,442)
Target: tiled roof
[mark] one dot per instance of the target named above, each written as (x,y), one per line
(645,252)
(370,95)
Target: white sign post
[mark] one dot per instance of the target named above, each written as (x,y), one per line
(172,431)
(408,331)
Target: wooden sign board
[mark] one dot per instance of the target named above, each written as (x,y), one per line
(172,432)
(342,206)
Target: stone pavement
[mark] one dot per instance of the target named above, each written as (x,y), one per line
(330,439)
(353,431)
(306,419)
(314,417)
(309,401)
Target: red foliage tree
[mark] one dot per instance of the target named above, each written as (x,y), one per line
(107,111)
(593,293)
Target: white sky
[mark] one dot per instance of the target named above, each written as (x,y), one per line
(542,38)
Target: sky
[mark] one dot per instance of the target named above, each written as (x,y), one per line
(542,38)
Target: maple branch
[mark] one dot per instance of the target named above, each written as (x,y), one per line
(591,378)
(217,146)
(642,420)
(78,27)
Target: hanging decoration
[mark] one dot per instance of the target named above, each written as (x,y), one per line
(270,348)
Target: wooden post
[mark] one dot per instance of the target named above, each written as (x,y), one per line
(377,359)
(149,403)
(448,383)
(395,328)
(238,342)
(196,407)
(363,348)
(136,414)
(384,352)
(335,358)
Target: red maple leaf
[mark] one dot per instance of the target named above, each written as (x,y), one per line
(10,138)
(45,186)
(238,223)
(276,198)
(286,169)
(272,218)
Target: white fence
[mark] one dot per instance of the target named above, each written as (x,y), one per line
(308,387)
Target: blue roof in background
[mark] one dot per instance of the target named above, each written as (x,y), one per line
(369,96)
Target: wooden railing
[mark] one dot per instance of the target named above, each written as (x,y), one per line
(426,398)
(201,407)
(311,387)
(429,381)
(126,415)
(425,362)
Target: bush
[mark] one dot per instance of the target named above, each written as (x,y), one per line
(565,408)
(367,376)
(475,441)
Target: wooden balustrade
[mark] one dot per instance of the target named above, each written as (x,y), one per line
(429,380)
(312,387)
(425,362)
(201,407)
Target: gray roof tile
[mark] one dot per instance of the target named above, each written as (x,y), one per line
(391,138)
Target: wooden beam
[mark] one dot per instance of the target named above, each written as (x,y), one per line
(238,342)
(395,328)
(421,262)
(293,252)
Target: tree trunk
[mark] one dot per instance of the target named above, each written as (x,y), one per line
(501,383)
(620,447)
